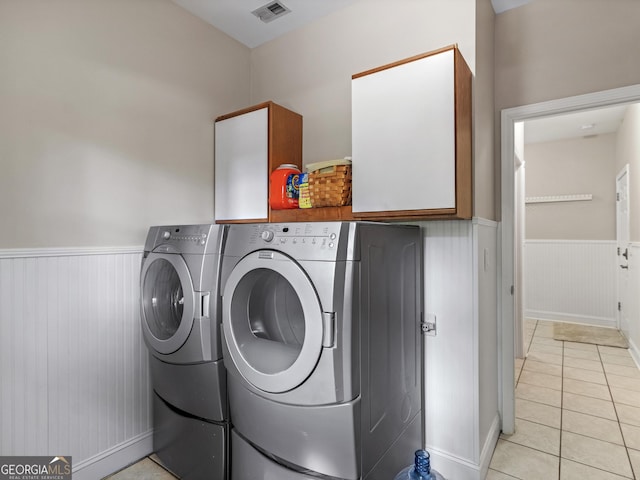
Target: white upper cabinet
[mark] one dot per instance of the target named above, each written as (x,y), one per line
(411,138)
(249,145)
(241,167)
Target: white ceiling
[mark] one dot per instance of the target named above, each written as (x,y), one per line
(500,6)
(234,17)
(573,125)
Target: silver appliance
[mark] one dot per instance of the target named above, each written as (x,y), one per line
(322,344)
(180,313)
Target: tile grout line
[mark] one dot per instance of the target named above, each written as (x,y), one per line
(615,410)
(617,421)
(562,408)
(561,395)
(562,376)
(517,381)
(564,347)
(157,462)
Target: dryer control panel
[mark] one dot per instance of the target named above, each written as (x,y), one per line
(196,239)
(302,241)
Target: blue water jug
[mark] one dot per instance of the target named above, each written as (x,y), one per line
(420,470)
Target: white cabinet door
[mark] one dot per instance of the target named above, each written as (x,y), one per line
(241,167)
(404,136)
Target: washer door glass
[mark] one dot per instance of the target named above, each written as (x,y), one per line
(167,302)
(272,321)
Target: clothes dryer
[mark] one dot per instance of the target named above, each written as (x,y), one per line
(321,328)
(180,313)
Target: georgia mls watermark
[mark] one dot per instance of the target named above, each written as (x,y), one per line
(35,468)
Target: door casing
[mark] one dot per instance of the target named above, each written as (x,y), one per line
(507,284)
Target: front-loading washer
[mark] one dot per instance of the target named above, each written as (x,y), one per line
(180,318)
(322,344)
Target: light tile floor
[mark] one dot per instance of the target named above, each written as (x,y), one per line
(577,416)
(149,468)
(577,413)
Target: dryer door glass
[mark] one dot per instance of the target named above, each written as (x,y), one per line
(163,299)
(168,303)
(275,314)
(272,322)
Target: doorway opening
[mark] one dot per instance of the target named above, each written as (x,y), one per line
(510,291)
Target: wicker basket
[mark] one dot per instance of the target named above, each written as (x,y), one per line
(331,186)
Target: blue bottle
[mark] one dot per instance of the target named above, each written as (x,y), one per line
(420,470)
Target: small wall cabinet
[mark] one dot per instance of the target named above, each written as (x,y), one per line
(249,145)
(411,138)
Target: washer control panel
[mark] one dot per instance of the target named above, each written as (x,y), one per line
(184,238)
(317,240)
(307,234)
(177,237)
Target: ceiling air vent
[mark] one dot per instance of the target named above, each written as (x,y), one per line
(269,12)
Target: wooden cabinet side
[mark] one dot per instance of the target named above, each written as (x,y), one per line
(285,137)
(464,137)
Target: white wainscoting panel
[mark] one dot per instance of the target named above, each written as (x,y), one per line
(571,280)
(485,246)
(73,364)
(450,354)
(461,364)
(461,427)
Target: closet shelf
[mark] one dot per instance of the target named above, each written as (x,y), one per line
(559,198)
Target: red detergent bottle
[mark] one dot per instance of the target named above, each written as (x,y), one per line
(284,187)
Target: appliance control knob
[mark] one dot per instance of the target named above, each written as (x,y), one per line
(267,235)
(166,234)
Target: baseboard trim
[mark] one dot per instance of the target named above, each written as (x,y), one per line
(453,467)
(115,458)
(457,468)
(570,318)
(489,446)
(634,351)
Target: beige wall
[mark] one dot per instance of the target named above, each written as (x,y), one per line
(484,161)
(106,118)
(107,106)
(551,49)
(628,152)
(309,70)
(570,167)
